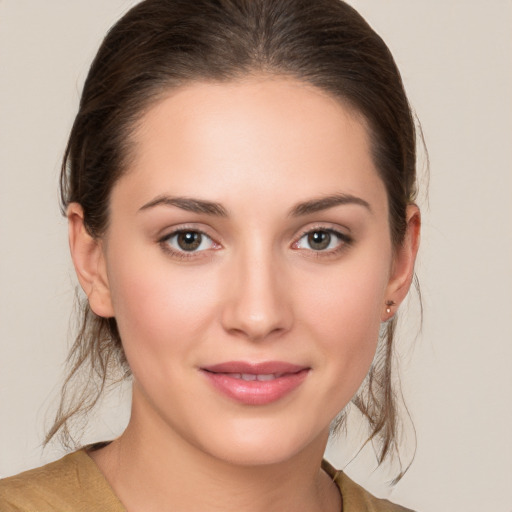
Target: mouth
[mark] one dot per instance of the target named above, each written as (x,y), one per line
(249,377)
(255,384)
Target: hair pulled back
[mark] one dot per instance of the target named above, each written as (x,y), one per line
(163,44)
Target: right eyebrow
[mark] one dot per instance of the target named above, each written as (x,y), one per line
(324,203)
(189,204)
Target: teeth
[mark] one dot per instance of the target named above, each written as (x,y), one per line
(268,376)
(252,376)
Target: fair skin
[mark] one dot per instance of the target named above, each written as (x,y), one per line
(255,269)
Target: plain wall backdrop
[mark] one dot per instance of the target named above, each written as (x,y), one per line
(455,58)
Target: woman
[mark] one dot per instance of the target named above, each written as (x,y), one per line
(239,184)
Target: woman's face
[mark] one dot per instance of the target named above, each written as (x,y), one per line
(248,261)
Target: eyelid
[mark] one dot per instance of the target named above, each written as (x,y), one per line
(345,239)
(163,241)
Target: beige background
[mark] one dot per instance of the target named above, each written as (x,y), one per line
(455,56)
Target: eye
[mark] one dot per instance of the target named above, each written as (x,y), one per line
(322,240)
(189,241)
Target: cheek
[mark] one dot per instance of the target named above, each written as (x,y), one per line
(348,303)
(344,315)
(160,309)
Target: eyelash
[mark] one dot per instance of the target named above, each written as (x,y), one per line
(344,241)
(182,254)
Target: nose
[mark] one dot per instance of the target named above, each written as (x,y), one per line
(258,305)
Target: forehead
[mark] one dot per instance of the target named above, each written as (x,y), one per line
(266,137)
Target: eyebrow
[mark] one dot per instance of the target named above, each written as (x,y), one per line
(211,208)
(324,203)
(188,204)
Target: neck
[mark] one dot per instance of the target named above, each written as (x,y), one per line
(153,469)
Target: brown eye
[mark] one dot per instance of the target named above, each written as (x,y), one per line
(189,240)
(319,240)
(322,240)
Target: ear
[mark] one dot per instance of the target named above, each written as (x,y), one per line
(89,261)
(402,271)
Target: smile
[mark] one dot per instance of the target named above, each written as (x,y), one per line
(251,376)
(255,384)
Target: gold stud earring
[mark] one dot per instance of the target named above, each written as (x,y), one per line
(389,304)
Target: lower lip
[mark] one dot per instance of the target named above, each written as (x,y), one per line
(256,392)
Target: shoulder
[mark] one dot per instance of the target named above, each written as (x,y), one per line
(70,484)
(357,499)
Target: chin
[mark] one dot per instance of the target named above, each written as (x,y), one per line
(263,445)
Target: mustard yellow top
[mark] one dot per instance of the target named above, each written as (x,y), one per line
(75,484)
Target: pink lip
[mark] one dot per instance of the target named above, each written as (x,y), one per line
(225,377)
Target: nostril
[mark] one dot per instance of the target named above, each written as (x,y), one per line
(256,327)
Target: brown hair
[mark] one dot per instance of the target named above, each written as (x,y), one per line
(162,44)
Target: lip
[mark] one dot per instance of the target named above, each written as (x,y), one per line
(278,380)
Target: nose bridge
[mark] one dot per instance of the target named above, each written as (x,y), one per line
(258,304)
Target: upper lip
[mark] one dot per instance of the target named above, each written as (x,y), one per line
(263,368)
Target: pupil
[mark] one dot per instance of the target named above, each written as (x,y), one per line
(189,240)
(319,240)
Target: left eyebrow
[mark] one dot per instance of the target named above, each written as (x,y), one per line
(324,203)
(189,204)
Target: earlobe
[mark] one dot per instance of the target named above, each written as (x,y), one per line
(89,262)
(402,272)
